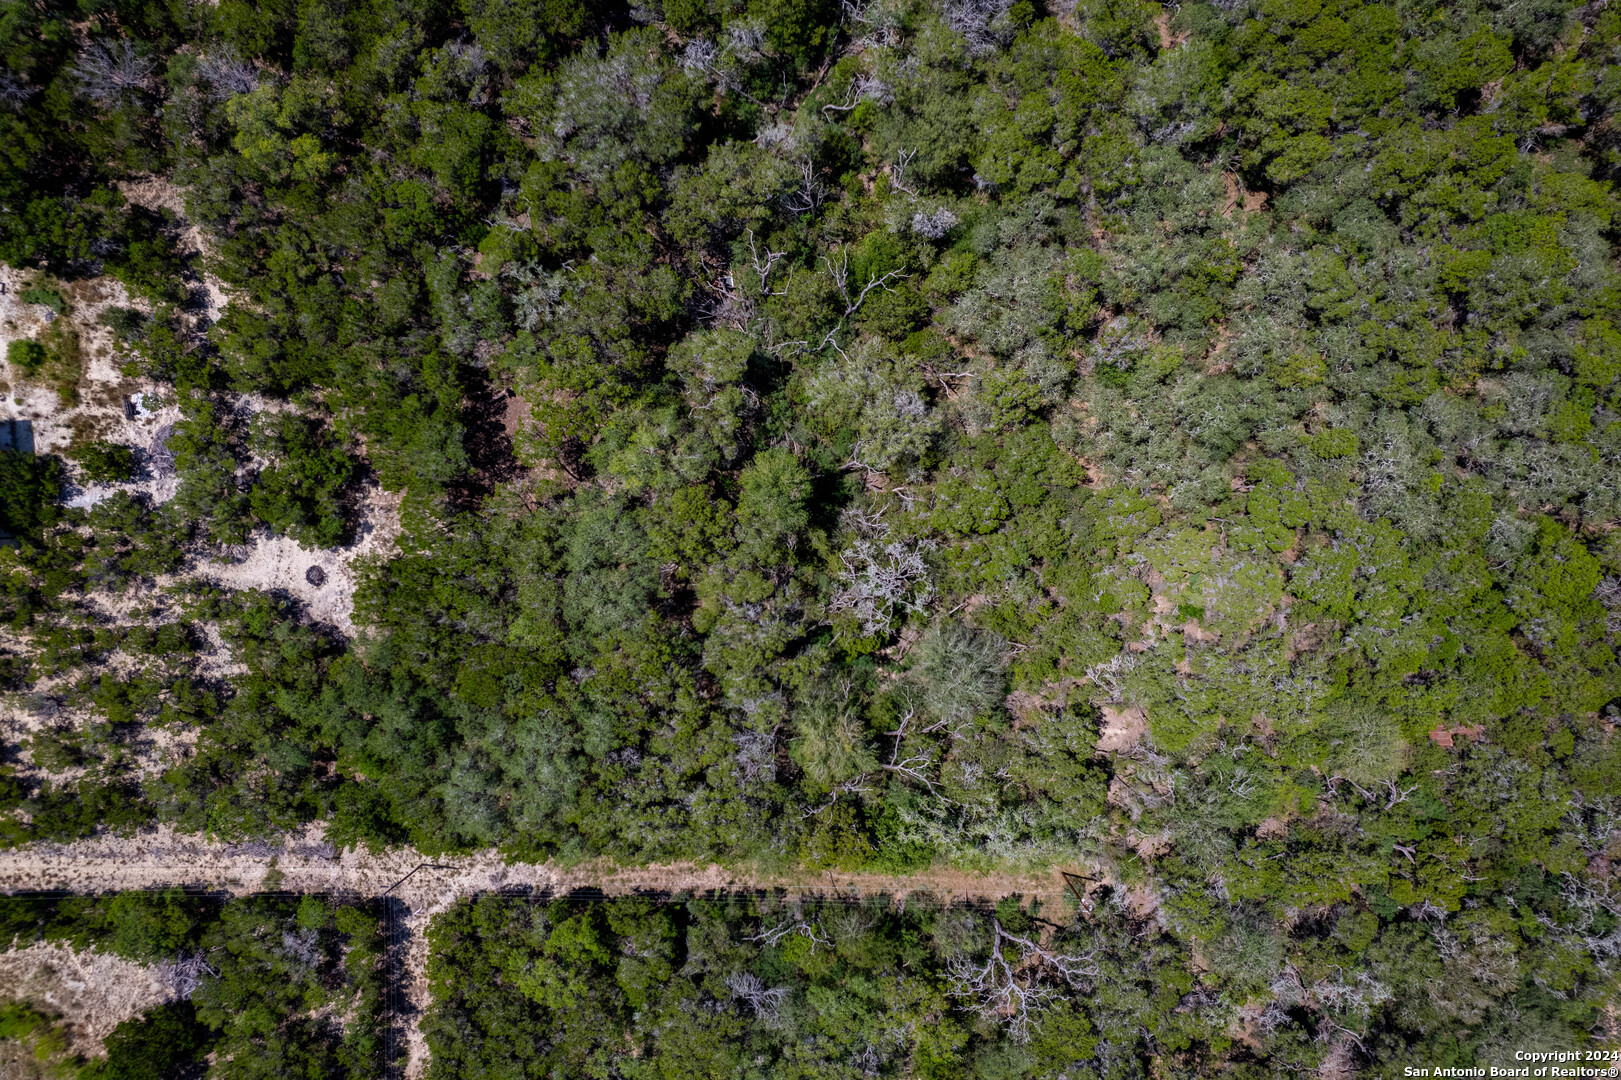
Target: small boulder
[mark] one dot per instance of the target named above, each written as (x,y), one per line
(315,576)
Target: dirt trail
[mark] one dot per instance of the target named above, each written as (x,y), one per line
(304,863)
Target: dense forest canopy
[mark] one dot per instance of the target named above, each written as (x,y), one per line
(1183,442)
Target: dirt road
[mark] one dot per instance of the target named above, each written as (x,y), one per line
(304,863)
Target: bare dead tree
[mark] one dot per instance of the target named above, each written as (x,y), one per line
(934,226)
(110,72)
(1367,796)
(14,92)
(840,273)
(912,766)
(763,267)
(809,194)
(185,974)
(748,987)
(228,74)
(973,19)
(857,12)
(897,174)
(861,88)
(1110,674)
(1597,904)
(854,786)
(797,925)
(880,575)
(756,754)
(729,307)
(700,56)
(1016,991)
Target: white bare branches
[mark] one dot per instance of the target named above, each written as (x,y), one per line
(854,786)
(840,273)
(763,267)
(914,766)
(14,92)
(766,1002)
(1109,676)
(934,226)
(228,74)
(756,755)
(880,575)
(797,925)
(700,56)
(1595,907)
(1016,991)
(1608,593)
(1397,795)
(980,22)
(1354,998)
(861,88)
(185,974)
(730,305)
(109,72)
(810,193)
(897,175)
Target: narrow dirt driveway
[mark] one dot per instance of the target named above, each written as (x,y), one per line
(304,863)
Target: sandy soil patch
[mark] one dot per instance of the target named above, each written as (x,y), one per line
(92,992)
(103,389)
(280,563)
(1122,729)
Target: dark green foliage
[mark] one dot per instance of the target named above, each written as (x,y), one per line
(29,488)
(125,323)
(105,462)
(60,813)
(300,492)
(167,1042)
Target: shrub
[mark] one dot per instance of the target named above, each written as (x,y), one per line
(26,356)
(46,295)
(104,462)
(29,487)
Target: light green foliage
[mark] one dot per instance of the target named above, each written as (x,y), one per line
(26,356)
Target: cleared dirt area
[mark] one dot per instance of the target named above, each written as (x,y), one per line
(279,563)
(91,992)
(305,863)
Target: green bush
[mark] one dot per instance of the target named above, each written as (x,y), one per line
(167,1042)
(127,324)
(40,293)
(26,356)
(29,489)
(105,462)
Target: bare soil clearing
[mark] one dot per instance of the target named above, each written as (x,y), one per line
(305,863)
(91,991)
(280,564)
